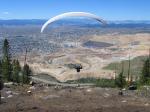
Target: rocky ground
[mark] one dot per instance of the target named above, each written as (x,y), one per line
(58,99)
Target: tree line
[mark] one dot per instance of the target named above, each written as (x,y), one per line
(10,69)
(144,76)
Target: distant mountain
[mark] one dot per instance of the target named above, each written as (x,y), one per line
(130,22)
(22,22)
(42,21)
(74,21)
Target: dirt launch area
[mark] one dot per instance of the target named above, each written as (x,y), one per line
(87,99)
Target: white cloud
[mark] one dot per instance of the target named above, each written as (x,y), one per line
(6,13)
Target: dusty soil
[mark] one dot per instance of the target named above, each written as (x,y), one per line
(51,99)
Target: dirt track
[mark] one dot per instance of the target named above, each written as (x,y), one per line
(73,100)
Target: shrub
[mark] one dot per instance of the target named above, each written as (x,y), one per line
(120,80)
(106,83)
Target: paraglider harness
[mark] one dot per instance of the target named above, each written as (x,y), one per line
(78,67)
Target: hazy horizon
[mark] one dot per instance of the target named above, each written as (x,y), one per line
(70,19)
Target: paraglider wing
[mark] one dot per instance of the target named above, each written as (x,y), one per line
(71,14)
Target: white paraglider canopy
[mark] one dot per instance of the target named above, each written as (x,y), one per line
(72,14)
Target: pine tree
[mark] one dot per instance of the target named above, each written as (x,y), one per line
(26,74)
(1,87)
(145,76)
(0,67)
(6,61)
(13,70)
(1,82)
(16,70)
(120,80)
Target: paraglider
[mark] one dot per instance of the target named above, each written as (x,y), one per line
(72,14)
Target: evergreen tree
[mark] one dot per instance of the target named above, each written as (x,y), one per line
(120,80)
(16,70)
(0,67)
(13,70)
(6,61)
(1,82)
(145,76)
(1,87)
(26,74)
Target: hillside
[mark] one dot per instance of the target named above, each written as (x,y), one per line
(135,69)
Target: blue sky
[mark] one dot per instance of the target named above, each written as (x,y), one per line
(45,9)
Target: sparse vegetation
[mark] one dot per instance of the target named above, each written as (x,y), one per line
(46,77)
(139,69)
(108,83)
(97,82)
(135,68)
(83,80)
